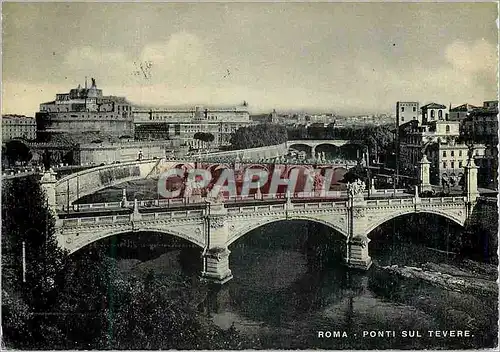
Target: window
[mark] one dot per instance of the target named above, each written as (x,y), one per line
(452,164)
(414,109)
(452,153)
(447,128)
(402,118)
(460,164)
(444,164)
(444,153)
(440,114)
(402,108)
(459,153)
(432,114)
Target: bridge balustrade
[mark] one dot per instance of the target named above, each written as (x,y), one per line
(121,218)
(105,219)
(110,219)
(201,202)
(149,216)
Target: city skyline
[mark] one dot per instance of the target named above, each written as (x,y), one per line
(344,58)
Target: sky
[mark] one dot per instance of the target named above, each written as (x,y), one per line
(345,58)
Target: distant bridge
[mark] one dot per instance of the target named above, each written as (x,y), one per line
(77,185)
(311,145)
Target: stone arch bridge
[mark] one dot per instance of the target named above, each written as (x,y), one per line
(215,226)
(312,144)
(79,184)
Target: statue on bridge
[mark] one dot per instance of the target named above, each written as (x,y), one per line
(356,188)
(323,156)
(219,195)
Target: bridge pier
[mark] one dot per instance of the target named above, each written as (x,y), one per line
(216,266)
(357,256)
(216,256)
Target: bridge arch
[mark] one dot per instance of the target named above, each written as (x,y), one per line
(256,167)
(75,246)
(301,147)
(330,149)
(215,167)
(183,166)
(254,225)
(376,223)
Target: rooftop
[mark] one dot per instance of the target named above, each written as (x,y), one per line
(192,108)
(433,106)
(15,116)
(463,107)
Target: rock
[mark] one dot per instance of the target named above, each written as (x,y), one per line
(447,281)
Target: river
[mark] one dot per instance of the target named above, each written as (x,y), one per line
(290,290)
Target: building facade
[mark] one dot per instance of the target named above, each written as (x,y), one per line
(461,112)
(182,124)
(439,138)
(407,111)
(85,110)
(434,112)
(197,113)
(448,161)
(481,126)
(482,122)
(18,127)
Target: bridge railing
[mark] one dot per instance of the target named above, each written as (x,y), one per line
(394,201)
(282,207)
(491,200)
(103,167)
(440,200)
(115,219)
(198,200)
(402,201)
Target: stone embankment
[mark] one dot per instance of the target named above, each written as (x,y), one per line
(471,277)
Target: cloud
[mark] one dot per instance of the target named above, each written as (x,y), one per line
(181,49)
(184,71)
(471,58)
(180,60)
(25,98)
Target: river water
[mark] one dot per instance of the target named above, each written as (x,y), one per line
(290,291)
(289,288)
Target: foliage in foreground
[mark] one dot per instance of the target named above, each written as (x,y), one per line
(83,301)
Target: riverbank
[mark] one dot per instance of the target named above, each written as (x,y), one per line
(448,277)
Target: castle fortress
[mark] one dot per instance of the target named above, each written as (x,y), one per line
(85,110)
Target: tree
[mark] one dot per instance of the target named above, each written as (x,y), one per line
(378,139)
(258,136)
(317,131)
(27,218)
(357,172)
(204,137)
(16,150)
